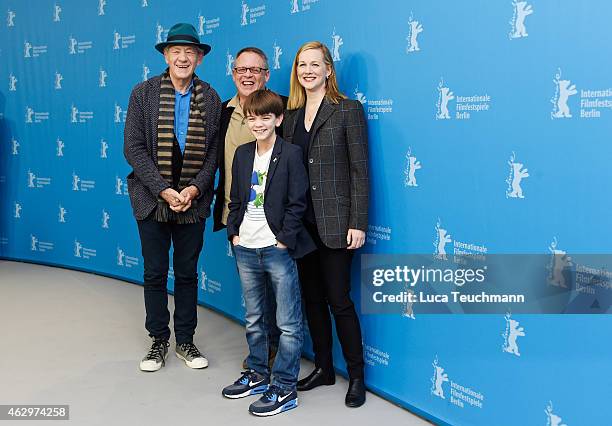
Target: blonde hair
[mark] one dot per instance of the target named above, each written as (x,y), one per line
(297,93)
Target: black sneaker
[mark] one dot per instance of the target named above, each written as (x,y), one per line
(156,358)
(189,353)
(250,383)
(274,401)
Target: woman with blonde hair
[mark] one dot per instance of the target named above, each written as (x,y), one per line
(331,130)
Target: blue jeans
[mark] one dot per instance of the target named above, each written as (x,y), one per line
(275,265)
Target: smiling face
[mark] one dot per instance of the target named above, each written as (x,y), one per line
(182,61)
(248,82)
(312,71)
(263,126)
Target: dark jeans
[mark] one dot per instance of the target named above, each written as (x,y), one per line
(325,275)
(262,270)
(155,238)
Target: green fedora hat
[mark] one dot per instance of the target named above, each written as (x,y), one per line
(184,34)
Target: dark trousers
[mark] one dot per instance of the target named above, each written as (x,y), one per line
(155,238)
(325,275)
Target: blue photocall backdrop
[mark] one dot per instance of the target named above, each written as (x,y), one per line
(489,126)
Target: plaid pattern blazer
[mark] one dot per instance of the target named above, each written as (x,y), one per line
(140,149)
(337,168)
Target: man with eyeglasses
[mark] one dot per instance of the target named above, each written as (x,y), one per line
(250,73)
(170,140)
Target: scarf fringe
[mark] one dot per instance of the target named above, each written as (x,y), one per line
(164,213)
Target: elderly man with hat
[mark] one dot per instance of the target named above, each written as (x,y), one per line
(170,141)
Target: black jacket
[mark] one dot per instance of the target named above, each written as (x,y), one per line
(226,114)
(284,195)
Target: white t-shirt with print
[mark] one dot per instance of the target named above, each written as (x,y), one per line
(254,231)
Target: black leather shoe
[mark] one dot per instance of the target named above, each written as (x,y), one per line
(317,378)
(355,396)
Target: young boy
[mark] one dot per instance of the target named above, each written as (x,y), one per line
(267,202)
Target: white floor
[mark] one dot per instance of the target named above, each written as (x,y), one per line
(74,338)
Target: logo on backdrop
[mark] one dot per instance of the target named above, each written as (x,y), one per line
(103,148)
(465,105)
(438,379)
(513,331)
(229,251)
(336,43)
(306,5)
(77,116)
(81,185)
(17,211)
(125,260)
(105,219)
(120,114)
(559,262)
(58,81)
(517,174)
(101,4)
(102,78)
(563,90)
(121,188)
(249,14)
(202,279)
(161,33)
(521,11)
(277,54)
(37,182)
(414,29)
(207,26)
(40,246)
(592,101)
(444,97)
(551,418)
(56,12)
(79,47)
(460,395)
(15,147)
(145,72)
(459,248)
(375,109)
(10,18)
(59,147)
(145,3)
(122,42)
(32,116)
(83,252)
(229,63)
(61,215)
(12,83)
(442,238)
(412,165)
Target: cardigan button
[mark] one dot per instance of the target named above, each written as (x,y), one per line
(314,187)
(311,161)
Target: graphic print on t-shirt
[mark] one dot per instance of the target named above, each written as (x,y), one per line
(257,188)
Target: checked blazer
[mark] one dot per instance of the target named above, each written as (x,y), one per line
(337,168)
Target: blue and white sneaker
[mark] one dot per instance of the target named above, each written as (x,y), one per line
(250,383)
(274,401)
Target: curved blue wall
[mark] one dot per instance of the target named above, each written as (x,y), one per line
(489,123)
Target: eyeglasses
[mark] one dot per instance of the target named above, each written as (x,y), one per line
(254,70)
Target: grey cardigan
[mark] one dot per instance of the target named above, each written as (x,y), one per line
(337,168)
(140,149)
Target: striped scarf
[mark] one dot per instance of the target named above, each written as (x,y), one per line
(195,146)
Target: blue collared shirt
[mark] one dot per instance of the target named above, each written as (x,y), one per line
(181,115)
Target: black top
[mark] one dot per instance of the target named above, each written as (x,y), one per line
(301,138)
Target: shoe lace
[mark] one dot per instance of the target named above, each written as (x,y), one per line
(272,393)
(191,350)
(157,349)
(245,378)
